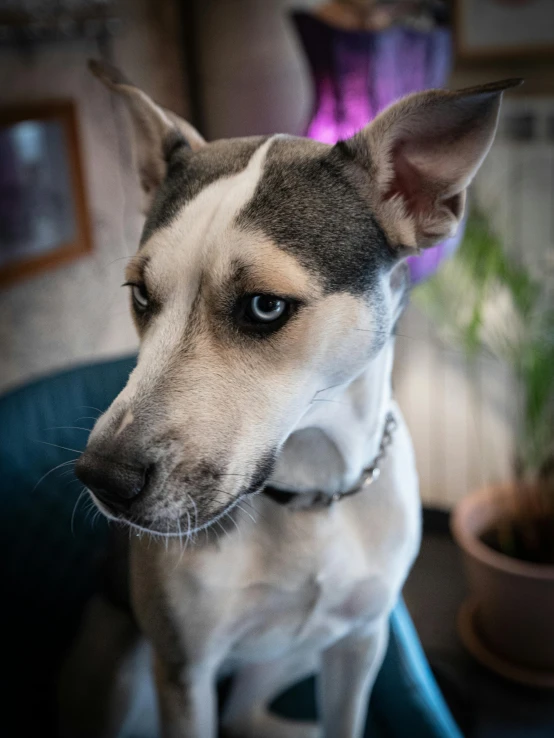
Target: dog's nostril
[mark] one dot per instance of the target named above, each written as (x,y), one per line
(115,483)
(149,470)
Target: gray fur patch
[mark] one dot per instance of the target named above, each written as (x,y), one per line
(188,172)
(308,203)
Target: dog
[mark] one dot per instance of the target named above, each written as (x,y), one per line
(256,453)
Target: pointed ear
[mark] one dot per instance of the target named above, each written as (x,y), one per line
(421,154)
(157,131)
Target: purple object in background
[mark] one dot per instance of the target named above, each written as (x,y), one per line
(358,73)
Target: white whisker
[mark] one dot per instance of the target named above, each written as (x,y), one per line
(232,519)
(83,491)
(59,466)
(95,517)
(188,528)
(64,448)
(91,509)
(67,427)
(180,535)
(241,508)
(195,512)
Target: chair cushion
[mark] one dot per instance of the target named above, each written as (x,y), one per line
(52,546)
(49,548)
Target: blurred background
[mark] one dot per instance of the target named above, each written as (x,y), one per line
(475,353)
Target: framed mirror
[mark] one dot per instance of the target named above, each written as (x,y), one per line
(43,210)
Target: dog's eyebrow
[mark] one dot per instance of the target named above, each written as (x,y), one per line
(247,278)
(136,268)
(240,277)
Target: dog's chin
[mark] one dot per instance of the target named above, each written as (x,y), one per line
(171,527)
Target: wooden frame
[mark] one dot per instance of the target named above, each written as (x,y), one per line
(495,52)
(62,111)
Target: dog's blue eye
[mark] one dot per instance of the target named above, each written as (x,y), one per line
(263,315)
(266,308)
(140,296)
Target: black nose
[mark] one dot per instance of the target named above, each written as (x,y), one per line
(115,483)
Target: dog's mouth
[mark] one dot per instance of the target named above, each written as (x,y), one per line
(185,525)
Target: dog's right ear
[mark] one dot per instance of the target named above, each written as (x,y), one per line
(156,130)
(421,154)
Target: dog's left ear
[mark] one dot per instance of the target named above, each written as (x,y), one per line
(421,154)
(156,129)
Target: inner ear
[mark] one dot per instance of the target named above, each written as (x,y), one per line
(408,183)
(420,193)
(456,205)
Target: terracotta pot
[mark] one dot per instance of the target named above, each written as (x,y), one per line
(508,623)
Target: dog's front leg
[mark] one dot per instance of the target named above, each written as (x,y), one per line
(349,669)
(187,700)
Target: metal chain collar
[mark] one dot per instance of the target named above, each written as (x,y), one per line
(302,500)
(372,472)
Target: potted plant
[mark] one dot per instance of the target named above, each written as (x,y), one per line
(483,301)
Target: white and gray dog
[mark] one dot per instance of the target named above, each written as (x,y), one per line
(249,437)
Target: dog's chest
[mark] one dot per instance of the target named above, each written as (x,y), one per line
(299,589)
(310,603)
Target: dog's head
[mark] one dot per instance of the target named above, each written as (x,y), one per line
(269,268)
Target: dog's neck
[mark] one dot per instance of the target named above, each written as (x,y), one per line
(340,434)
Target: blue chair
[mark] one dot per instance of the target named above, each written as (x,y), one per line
(52,546)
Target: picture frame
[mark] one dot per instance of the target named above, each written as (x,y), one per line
(504,29)
(44,219)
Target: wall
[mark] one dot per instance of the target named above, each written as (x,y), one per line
(537,74)
(253,77)
(79,311)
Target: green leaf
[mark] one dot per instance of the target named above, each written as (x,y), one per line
(466,299)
